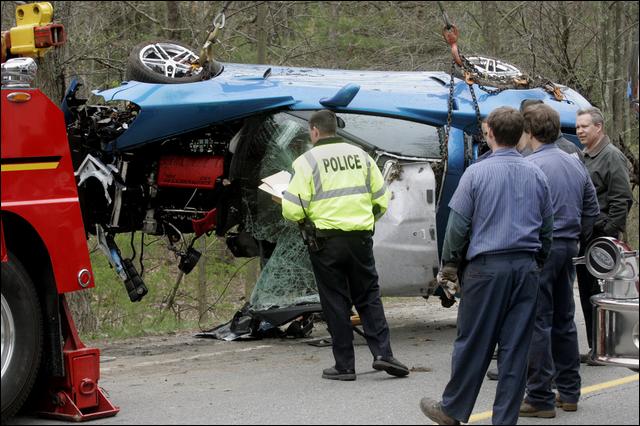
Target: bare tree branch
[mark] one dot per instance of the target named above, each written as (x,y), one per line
(152,19)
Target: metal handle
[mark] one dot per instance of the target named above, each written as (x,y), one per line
(579,260)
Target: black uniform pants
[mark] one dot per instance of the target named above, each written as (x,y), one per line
(346,275)
(587,286)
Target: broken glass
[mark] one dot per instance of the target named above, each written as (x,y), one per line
(286,278)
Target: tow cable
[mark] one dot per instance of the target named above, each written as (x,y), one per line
(471,76)
(206,53)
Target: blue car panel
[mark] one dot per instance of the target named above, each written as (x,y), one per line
(241,91)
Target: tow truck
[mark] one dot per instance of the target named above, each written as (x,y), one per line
(43,243)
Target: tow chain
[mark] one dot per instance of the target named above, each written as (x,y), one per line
(440,168)
(206,53)
(444,146)
(450,33)
(477,108)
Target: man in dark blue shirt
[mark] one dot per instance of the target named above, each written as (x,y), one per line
(554,347)
(502,211)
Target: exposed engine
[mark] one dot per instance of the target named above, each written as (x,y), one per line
(166,188)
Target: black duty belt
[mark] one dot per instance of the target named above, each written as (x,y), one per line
(328,233)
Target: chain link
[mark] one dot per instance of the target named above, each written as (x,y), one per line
(444,146)
(441,167)
(477,108)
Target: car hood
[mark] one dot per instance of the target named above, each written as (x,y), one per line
(244,90)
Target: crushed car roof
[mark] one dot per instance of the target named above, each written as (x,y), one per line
(244,90)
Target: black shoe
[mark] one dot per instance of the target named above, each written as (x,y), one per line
(333,374)
(433,410)
(391,366)
(492,374)
(586,359)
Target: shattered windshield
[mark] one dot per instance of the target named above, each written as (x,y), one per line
(286,278)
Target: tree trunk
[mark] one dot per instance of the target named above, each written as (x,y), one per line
(603,57)
(333,27)
(490,31)
(202,281)
(262,33)
(617,76)
(80,307)
(172,19)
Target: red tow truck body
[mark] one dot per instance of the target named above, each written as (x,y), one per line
(43,246)
(39,187)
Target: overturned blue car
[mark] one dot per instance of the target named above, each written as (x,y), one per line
(177,159)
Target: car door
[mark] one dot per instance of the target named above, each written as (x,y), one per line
(406,238)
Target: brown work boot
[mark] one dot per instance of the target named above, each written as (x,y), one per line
(528,410)
(566,406)
(433,410)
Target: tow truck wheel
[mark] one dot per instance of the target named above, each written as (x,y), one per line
(21,336)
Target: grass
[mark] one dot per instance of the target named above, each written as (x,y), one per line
(216,287)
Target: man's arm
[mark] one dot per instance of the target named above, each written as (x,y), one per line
(546,230)
(458,233)
(546,238)
(456,238)
(619,196)
(590,209)
(298,191)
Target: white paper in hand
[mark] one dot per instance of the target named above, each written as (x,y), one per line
(276,184)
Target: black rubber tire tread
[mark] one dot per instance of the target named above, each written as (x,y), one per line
(20,294)
(137,71)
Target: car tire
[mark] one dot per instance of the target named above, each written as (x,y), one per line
(21,336)
(151,61)
(481,80)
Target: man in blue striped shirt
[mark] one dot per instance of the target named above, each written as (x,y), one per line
(502,210)
(554,347)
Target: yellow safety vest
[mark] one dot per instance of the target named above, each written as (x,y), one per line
(339,186)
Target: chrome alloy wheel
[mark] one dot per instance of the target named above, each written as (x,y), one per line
(170,60)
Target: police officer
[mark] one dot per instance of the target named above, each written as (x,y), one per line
(340,190)
(554,347)
(502,210)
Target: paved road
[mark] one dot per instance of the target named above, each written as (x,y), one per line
(183,380)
